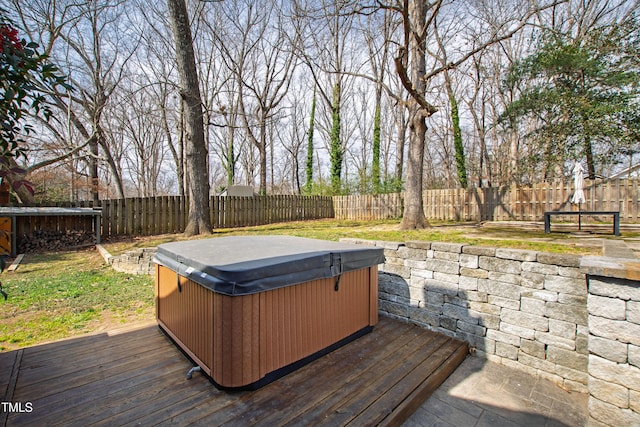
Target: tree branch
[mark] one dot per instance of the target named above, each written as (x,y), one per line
(493,40)
(61,157)
(406,83)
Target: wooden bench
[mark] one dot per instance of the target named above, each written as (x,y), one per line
(615,214)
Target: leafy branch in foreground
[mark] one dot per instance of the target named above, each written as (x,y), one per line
(24,75)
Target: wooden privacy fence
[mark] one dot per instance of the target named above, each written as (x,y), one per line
(513,203)
(168,214)
(368,206)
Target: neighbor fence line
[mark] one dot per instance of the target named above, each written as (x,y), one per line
(169,214)
(511,203)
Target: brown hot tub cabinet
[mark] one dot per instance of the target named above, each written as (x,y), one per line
(248,310)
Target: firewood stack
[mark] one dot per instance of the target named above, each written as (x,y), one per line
(51,241)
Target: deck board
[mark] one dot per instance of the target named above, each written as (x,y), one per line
(138,377)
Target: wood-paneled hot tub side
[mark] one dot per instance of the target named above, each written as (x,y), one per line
(248,340)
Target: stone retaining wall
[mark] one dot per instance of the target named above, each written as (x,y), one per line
(521,308)
(574,320)
(614,341)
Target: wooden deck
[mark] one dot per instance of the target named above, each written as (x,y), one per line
(137,376)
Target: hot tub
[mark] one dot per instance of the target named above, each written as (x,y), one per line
(248,310)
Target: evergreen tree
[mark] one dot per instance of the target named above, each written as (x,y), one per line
(583,98)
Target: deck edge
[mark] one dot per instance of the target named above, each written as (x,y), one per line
(426,388)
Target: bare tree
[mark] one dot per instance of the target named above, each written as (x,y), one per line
(132,125)
(377,33)
(219,89)
(477,104)
(418,20)
(158,78)
(326,29)
(257,50)
(199,221)
(293,140)
(454,111)
(141,127)
(226,143)
(90,41)
(411,59)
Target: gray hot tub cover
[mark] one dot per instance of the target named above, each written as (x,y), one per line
(242,265)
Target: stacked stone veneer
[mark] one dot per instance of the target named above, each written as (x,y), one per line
(614,340)
(136,261)
(520,308)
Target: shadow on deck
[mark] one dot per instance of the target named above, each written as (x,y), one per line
(138,376)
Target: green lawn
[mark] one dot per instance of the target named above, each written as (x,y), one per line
(389,230)
(53,296)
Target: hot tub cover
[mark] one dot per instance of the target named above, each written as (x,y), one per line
(242,265)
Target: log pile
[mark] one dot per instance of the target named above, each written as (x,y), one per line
(51,241)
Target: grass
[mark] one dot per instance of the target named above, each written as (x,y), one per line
(54,296)
(390,231)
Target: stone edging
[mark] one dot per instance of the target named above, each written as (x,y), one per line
(136,261)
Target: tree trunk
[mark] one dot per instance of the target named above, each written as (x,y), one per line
(413,216)
(181,148)
(514,146)
(262,149)
(93,170)
(336,154)
(309,165)
(461,160)
(231,158)
(588,152)
(402,135)
(175,153)
(199,221)
(113,167)
(375,162)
